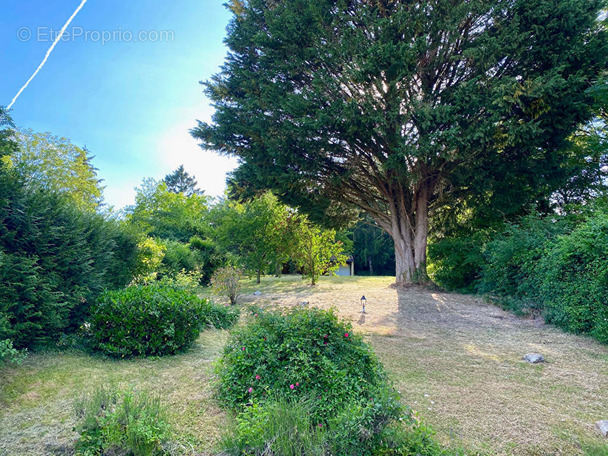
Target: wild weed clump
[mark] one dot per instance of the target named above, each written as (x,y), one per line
(113,421)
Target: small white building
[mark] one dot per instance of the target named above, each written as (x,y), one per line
(348,270)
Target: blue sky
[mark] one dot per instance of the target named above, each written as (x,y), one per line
(130,101)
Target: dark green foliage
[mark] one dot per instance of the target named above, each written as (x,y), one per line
(152,320)
(210,256)
(455,262)
(121,422)
(512,257)
(545,265)
(146,320)
(54,261)
(572,282)
(179,181)
(403,108)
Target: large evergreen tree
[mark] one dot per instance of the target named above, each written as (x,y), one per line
(55,257)
(392,106)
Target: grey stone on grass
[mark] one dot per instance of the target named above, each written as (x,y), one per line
(534,358)
(257,293)
(602,426)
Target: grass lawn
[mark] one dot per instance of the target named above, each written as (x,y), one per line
(455,359)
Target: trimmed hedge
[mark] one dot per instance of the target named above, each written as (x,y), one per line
(152,320)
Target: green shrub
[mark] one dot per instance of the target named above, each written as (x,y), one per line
(147,320)
(226,282)
(9,354)
(455,263)
(304,352)
(573,279)
(55,260)
(544,265)
(179,257)
(512,257)
(302,383)
(119,422)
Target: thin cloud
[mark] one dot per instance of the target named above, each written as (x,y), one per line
(48,53)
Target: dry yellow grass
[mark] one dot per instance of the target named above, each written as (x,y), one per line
(36,399)
(458,361)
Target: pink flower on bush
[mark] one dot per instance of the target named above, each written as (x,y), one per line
(292,386)
(345,334)
(255,315)
(325,343)
(257,377)
(243,348)
(297,384)
(325,336)
(250,390)
(320,425)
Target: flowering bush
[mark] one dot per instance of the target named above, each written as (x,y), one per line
(305,352)
(326,382)
(226,282)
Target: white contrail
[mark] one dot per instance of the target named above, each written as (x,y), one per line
(48,53)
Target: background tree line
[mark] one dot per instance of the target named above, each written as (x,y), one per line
(61,247)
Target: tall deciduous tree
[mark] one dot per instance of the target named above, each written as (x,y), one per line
(317,251)
(391,106)
(168,215)
(256,231)
(54,163)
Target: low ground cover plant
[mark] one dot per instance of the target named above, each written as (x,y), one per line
(152,320)
(301,379)
(112,421)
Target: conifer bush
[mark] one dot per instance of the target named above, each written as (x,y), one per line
(55,260)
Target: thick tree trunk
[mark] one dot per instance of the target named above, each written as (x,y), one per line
(259,274)
(371,268)
(409,231)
